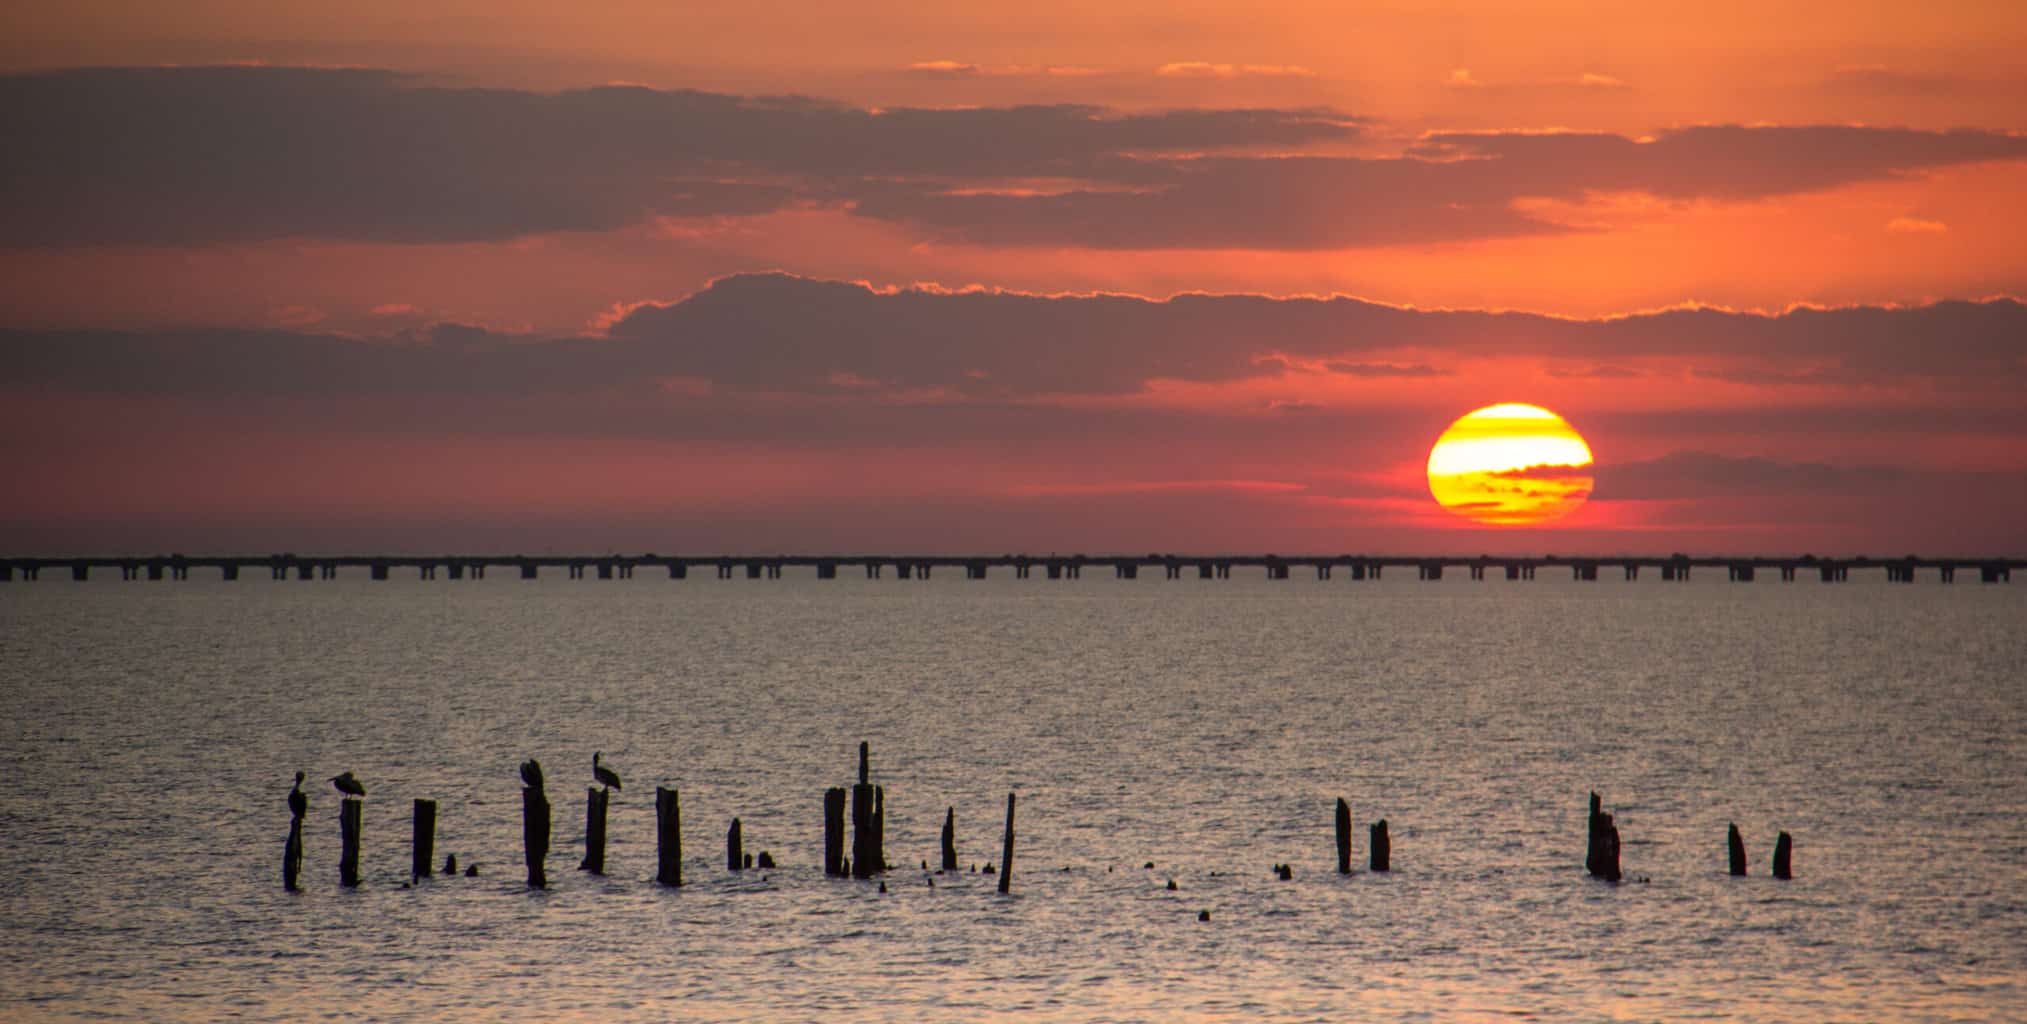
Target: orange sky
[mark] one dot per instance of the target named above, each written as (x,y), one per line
(454,163)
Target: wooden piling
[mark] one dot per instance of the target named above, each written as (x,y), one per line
(1784,849)
(348,830)
(292,855)
(734,861)
(950,839)
(1006,850)
(834,831)
(535,835)
(1382,846)
(1343,837)
(422,847)
(596,798)
(1737,848)
(1601,858)
(866,860)
(880,829)
(668,837)
(1591,844)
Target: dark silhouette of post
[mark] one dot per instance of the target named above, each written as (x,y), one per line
(1382,846)
(834,831)
(348,834)
(1784,849)
(1601,858)
(865,853)
(1737,849)
(733,859)
(668,837)
(950,839)
(1006,850)
(1343,837)
(595,800)
(535,835)
(292,855)
(880,829)
(422,848)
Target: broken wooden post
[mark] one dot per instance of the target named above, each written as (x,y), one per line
(733,860)
(1601,858)
(1006,850)
(865,855)
(1737,846)
(595,801)
(422,848)
(834,831)
(950,839)
(1343,837)
(535,835)
(1382,846)
(1784,849)
(880,829)
(668,837)
(348,831)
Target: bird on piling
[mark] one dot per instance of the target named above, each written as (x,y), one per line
(604,775)
(531,773)
(299,804)
(348,785)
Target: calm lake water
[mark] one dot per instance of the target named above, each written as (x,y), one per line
(148,734)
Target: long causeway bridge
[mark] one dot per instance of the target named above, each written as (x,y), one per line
(1676,567)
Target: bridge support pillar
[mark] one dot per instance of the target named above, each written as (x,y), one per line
(1741,573)
(306,571)
(155,570)
(427,570)
(1429,571)
(379,571)
(1948,573)
(974,570)
(1632,571)
(1055,570)
(1477,572)
(872,570)
(529,570)
(1787,574)
(826,570)
(1323,570)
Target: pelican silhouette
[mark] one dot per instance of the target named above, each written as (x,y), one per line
(348,785)
(531,773)
(604,775)
(299,804)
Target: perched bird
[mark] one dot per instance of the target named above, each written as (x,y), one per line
(531,773)
(348,785)
(299,804)
(604,775)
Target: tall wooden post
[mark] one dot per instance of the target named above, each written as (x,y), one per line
(1784,849)
(348,833)
(422,847)
(1006,850)
(1737,850)
(1343,837)
(950,839)
(1601,858)
(733,860)
(865,856)
(834,831)
(668,837)
(1382,846)
(292,855)
(595,801)
(535,835)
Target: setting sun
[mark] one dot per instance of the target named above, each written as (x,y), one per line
(1510,465)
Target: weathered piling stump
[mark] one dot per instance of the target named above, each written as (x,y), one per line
(880,828)
(668,837)
(950,839)
(422,845)
(535,835)
(1736,846)
(1382,846)
(734,855)
(834,831)
(866,859)
(1601,858)
(349,813)
(450,866)
(1343,837)
(596,799)
(766,859)
(1006,850)
(1784,850)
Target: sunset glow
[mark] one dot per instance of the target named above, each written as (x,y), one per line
(1510,465)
